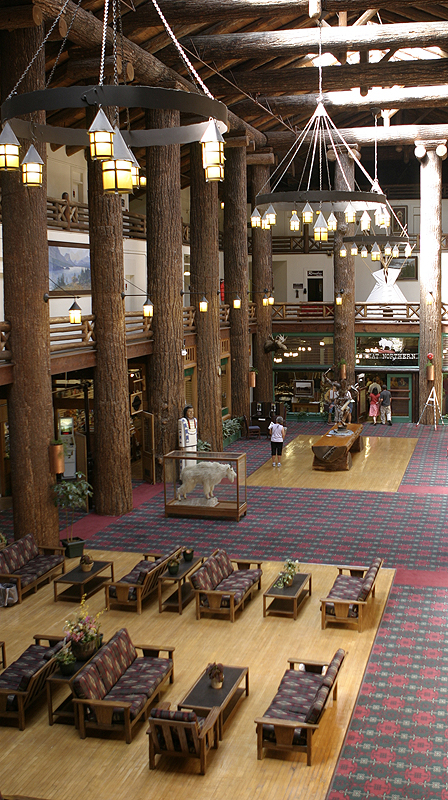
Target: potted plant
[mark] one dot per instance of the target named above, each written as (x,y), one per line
(86,562)
(3,541)
(286,577)
(82,631)
(216,674)
(173,565)
(187,553)
(65,660)
(253,372)
(231,431)
(70,495)
(342,369)
(56,456)
(430,367)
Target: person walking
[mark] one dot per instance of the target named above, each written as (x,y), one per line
(385,407)
(374,409)
(278,433)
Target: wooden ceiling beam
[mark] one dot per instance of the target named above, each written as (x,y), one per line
(396,134)
(301,42)
(20,17)
(295,80)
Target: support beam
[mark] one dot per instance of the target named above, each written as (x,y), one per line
(344,276)
(396,134)
(18,17)
(260,158)
(272,44)
(261,282)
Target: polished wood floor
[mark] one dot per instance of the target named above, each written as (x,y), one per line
(52,762)
(378,468)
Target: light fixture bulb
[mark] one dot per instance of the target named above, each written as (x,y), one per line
(101,137)
(203,304)
(407,250)
(395,251)
(307,214)
(365,221)
(353,249)
(271,216)
(364,252)
(32,166)
(375,253)
(237,302)
(320,229)
(339,299)
(255,218)
(271,299)
(265,225)
(343,251)
(9,150)
(143,181)
(332,222)
(294,222)
(388,249)
(350,213)
(74,313)
(213,153)
(265,300)
(429,299)
(117,172)
(148,308)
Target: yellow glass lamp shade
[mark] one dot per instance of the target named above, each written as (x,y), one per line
(265,300)
(213,153)
(32,166)
(74,313)
(148,308)
(338,299)
(353,249)
(407,250)
(101,137)
(237,302)
(142,181)
(271,299)
(117,173)
(365,221)
(255,218)
(9,150)
(375,254)
(395,251)
(135,171)
(364,252)
(265,224)
(271,216)
(388,249)
(343,251)
(307,214)
(294,222)
(332,222)
(320,229)
(350,213)
(203,305)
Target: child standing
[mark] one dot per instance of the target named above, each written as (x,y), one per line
(278,433)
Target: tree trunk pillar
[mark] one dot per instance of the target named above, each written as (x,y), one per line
(112,460)
(204,265)
(430,277)
(261,282)
(344,277)
(166,390)
(236,275)
(25,275)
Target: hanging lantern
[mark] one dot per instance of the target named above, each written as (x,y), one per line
(117,173)
(203,304)
(135,171)
(350,213)
(375,253)
(338,299)
(213,153)
(265,222)
(353,249)
(255,218)
(271,216)
(407,250)
(364,252)
(294,222)
(307,214)
(9,150)
(148,308)
(388,249)
(265,300)
(142,181)
(343,251)
(365,221)
(395,251)
(320,229)
(332,222)
(237,302)
(32,166)
(271,299)
(101,136)
(74,313)
(382,217)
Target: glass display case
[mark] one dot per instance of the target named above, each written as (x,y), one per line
(202,484)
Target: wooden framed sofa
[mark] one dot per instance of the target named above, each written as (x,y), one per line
(116,688)
(132,589)
(25,679)
(27,565)
(220,588)
(298,708)
(182,734)
(347,600)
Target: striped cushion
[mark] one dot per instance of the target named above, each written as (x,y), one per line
(317,706)
(333,668)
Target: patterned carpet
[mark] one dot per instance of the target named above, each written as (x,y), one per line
(396,745)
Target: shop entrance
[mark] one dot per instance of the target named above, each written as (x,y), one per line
(400,387)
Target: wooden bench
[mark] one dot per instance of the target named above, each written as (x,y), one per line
(132,589)
(332,452)
(347,599)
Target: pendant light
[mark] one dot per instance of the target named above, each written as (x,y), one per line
(148,308)
(338,299)
(407,250)
(135,171)
(307,214)
(353,249)
(294,222)
(395,251)
(271,216)
(265,222)
(388,249)
(343,251)
(255,218)
(32,166)
(9,150)
(74,313)
(117,172)
(101,137)
(364,252)
(213,153)
(332,222)
(271,299)
(375,253)
(203,304)
(237,302)
(265,300)
(350,213)
(320,229)
(365,221)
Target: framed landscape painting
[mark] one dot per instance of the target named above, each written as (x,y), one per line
(408,266)
(69,269)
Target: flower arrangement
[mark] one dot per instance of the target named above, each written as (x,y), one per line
(290,568)
(430,362)
(3,540)
(84,627)
(215,672)
(65,655)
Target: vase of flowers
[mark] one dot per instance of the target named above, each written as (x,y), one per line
(66,660)
(216,675)
(82,632)
(188,553)
(173,566)
(286,577)
(430,367)
(3,541)
(86,562)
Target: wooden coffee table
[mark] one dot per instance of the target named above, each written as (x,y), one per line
(202,698)
(287,601)
(83,583)
(183,592)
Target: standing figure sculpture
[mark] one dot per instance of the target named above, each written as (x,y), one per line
(188,434)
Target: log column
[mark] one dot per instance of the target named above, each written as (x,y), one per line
(112,460)
(430,271)
(236,275)
(166,393)
(344,276)
(204,265)
(261,281)
(25,275)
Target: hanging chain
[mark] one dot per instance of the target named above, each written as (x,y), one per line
(123,66)
(376,148)
(103,41)
(182,53)
(319,66)
(25,73)
(61,49)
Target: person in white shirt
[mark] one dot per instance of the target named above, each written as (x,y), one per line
(278,433)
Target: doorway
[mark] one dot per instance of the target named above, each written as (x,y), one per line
(400,387)
(315,290)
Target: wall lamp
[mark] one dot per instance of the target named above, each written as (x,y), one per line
(338,299)
(203,304)
(268,300)
(148,306)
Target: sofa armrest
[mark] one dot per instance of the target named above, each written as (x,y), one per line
(210,722)
(354,570)
(341,601)
(246,563)
(154,650)
(285,723)
(53,550)
(307,663)
(102,703)
(152,556)
(10,577)
(52,639)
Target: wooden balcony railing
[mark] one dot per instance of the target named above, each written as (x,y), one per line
(367,312)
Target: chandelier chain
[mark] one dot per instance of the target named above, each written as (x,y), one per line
(103,42)
(61,49)
(42,45)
